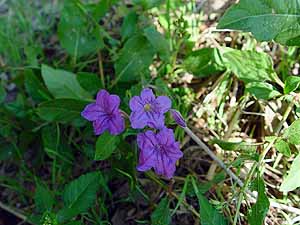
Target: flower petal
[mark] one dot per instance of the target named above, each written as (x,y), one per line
(146,140)
(146,159)
(164,103)
(116,124)
(92,112)
(113,103)
(156,121)
(147,95)
(138,119)
(100,125)
(166,136)
(164,165)
(174,151)
(102,98)
(136,103)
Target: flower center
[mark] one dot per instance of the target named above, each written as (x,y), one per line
(160,148)
(147,107)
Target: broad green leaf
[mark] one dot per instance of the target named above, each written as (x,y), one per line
(266,19)
(43,198)
(292,181)
(61,110)
(129,25)
(260,209)
(208,214)
(79,196)
(283,147)
(105,145)
(161,215)
(249,66)
(7,150)
(63,84)
(204,62)
(77,32)
(134,59)
(148,4)
(74,223)
(17,107)
(100,8)
(89,81)
(292,133)
(35,87)
(158,41)
(271,138)
(292,83)
(2,93)
(226,145)
(262,90)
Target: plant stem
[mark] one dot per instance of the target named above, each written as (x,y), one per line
(187,205)
(101,69)
(14,212)
(213,156)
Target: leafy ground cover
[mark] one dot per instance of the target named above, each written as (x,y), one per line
(149,112)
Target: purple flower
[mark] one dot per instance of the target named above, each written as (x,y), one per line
(148,110)
(105,114)
(159,151)
(178,117)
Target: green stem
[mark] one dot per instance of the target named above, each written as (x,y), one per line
(160,183)
(14,212)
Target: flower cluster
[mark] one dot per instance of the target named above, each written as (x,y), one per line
(158,149)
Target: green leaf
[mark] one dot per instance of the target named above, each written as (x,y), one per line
(7,151)
(89,81)
(292,83)
(63,84)
(53,146)
(204,62)
(182,194)
(248,66)
(283,147)
(226,145)
(262,90)
(77,32)
(43,198)
(292,181)
(2,94)
(292,133)
(105,146)
(161,215)
(134,58)
(79,196)
(159,43)
(271,138)
(208,214)
(61,110)
(129,25)
(148,4)
(260,209)
(35,87)
(17,107)
(267,20)
(99,9)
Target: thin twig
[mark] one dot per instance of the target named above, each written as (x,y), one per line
(14,212)
(233,176)
(213,156)
(100,63)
